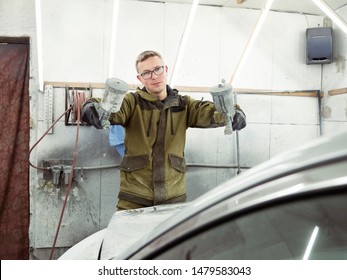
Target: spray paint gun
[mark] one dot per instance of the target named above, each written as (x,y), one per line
(112,99)
(223,101)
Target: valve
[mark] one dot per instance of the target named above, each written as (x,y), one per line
(56,169)
(67,171)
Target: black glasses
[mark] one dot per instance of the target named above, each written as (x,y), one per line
(148,74)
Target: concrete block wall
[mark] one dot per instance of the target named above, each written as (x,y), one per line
(76,40)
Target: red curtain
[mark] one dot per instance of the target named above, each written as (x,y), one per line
(14,147)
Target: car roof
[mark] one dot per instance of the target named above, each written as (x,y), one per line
(324,150)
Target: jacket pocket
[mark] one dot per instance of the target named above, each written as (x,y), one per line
(132,163)
(178,163)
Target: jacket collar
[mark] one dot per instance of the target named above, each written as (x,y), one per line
(170,101)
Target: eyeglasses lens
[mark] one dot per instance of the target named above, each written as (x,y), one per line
(148,74)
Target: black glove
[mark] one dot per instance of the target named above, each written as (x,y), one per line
(239,120)
(90,114)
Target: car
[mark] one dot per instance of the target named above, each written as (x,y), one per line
(291,207)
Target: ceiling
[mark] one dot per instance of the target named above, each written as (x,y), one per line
(294,6)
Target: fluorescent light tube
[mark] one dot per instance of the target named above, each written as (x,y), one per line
(39,43)
(184,40)
(263,14)
(331,14)
(113,37)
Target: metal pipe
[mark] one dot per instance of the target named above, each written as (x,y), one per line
(218,166)
(237,143)
(320,113)
(188,164)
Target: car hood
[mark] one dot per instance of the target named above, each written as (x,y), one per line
(124,229)
(128,226)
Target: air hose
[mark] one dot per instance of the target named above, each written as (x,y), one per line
(79,98)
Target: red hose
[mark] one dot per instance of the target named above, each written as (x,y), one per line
(77,98)
(38,141)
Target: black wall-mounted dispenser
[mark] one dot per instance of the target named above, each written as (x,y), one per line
(319,45)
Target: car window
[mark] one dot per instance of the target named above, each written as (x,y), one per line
(307,228)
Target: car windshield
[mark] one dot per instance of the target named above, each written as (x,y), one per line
(306,228)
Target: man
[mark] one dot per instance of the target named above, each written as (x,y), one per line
(155,119)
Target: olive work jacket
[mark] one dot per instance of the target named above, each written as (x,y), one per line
(153,169)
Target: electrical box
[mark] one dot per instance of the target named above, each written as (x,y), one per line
(319,45)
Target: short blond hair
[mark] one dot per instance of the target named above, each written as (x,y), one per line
(145,55)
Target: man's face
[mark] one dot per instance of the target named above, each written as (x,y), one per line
(154,83)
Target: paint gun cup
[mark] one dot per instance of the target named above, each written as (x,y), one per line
(223,101)
(115,90)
